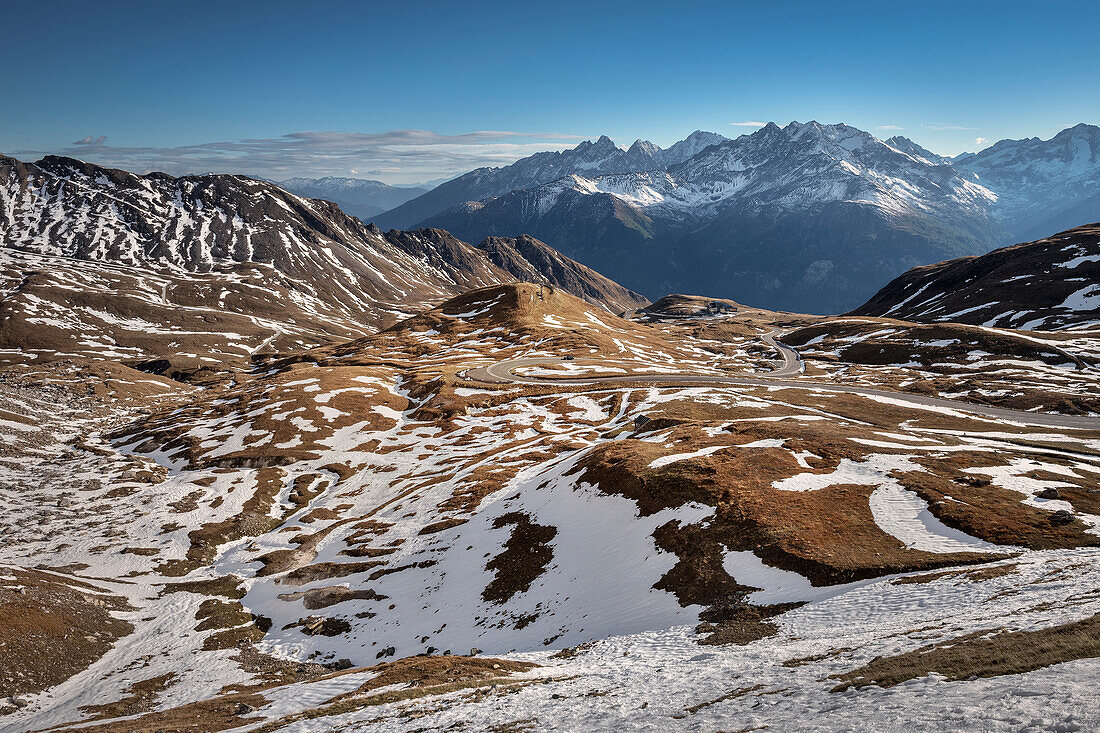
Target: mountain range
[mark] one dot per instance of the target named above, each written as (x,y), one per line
(359,197)
(588,158)
(802,217)
(208,270)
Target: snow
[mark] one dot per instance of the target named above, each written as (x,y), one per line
(666,460)
(1085,299)
(776,585)
(662,679)
(874,471)
(902,514)
(1077,261)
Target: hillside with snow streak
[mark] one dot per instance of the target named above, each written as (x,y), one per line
(1052,284)
(216,268)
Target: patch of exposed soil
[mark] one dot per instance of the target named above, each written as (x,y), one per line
(526,555)
(740,623)
(316,598)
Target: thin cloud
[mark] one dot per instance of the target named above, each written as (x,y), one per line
(890,127)
(981,140)
(940,127)
(748,123)
(397,156)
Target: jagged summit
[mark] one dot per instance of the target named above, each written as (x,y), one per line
(644,147)
(591,150)
(588,158)
(909,147)
(689,147)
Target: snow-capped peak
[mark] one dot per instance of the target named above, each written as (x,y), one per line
(794,167)
(689,147)
(907,146)
(644,147)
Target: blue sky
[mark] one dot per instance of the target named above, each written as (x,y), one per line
(411,91)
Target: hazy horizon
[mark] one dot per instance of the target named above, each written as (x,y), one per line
(266,90)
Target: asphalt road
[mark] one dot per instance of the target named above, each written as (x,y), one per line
(504,373)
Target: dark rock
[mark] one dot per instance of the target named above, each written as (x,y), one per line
(317,626)
(1049,493)
(1061,517)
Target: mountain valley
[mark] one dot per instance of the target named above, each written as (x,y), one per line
(362,198)
(358,374)
(518,508)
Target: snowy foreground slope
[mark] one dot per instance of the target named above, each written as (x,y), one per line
(364,536)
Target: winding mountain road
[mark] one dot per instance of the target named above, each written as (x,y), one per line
(504,373)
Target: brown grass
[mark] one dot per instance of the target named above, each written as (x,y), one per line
(422,676)
(982,654)
(52,630)
(140,697)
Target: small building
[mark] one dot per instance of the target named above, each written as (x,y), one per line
(715,306)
